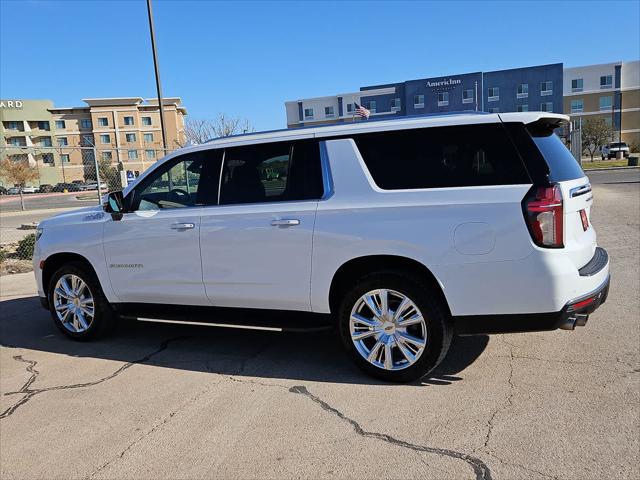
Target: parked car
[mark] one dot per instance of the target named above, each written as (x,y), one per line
(611,150)
(69,187)
(13,190)
(398,232)
(29,189)
(3,191)
(94,186)
(45,188)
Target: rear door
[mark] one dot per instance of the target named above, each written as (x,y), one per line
(257,243)
(564,170)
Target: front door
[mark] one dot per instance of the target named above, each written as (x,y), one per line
(257,243)
(153,252)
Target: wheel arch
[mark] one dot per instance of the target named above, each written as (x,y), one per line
(358,267)
(55,261)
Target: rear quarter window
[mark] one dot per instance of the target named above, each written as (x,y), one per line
(562,165)
(464,156)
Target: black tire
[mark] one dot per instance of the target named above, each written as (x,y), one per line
(104,318)
(439,330)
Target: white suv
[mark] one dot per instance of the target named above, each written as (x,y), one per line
(611,150)
(400,232)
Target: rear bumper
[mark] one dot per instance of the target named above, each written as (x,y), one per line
(574,314)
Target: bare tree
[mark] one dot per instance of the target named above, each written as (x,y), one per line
(595,134)
(18,172)
(199,130)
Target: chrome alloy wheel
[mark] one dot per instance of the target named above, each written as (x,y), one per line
(73,303)
(388,329)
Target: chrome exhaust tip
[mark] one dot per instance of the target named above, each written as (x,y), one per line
(581,319)
(568,324)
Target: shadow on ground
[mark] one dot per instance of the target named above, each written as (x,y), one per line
(313,356)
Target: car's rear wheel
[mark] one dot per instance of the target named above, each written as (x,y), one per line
(78,306)
(394,326)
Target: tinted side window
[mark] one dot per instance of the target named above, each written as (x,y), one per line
(442,157)
(270,173)
(187,181)
(562,165)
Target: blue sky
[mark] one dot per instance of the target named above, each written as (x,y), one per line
(247,58)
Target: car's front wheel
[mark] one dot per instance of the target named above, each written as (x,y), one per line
(394,327)
(78,306)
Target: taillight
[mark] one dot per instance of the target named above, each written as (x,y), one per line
(544,215)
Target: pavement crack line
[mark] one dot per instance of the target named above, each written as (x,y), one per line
(157,426)
(508,403)
(28,393)
(480,469)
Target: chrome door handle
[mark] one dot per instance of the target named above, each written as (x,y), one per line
(285,222)
(183,226)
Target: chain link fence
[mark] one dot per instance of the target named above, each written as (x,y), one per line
(38,182)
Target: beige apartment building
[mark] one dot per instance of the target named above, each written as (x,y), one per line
(610,92)
(60,141)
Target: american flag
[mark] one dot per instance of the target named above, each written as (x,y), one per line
(361,111)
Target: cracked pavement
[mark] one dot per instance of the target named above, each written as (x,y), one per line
(165,401)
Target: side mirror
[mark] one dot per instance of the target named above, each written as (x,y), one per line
(115,205)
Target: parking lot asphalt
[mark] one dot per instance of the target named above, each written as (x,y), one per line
(162,401)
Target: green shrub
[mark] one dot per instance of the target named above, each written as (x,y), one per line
(25,247)
(3,254)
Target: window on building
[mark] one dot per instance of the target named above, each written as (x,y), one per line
(577,84)
(468,95)
(522,108)
(494,94)
(64,157)
(46,142)
(418,101)
(60,125)
(577,106)
(328,112)
(47,158)
(17,141)
(546,107)
(105,138)
(130,137)
(103,121)
(395,105)
(372,106)
(349,107)
(107,156)
(443,99)
(442,157)
(308,113)
(546,88)
(148,138)
(87,140)
(44,126)
(63,141)
(494,110)
(132,154)
(606,103)
(85,123)
(606,81)
(146,121)
(523,90)
(150,154)
(128,120)
(271,173)
(12,125)
(608,122)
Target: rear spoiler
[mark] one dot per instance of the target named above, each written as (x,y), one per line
(540,123)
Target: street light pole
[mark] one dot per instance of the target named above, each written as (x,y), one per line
(157,71)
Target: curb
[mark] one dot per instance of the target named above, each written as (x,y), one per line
(604,169)
(52,211)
